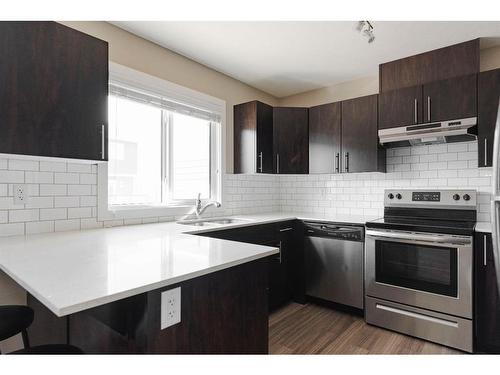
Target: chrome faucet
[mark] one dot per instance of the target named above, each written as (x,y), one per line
(199,208)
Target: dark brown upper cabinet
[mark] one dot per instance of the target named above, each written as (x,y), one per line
(253,138)
(291,144)
(450,99)
(487,301)
(452,61)
(488,94)
(361,151)
(325,126)
(400,107)
(53,91)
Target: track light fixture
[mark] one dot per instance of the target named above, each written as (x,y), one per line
(366,29)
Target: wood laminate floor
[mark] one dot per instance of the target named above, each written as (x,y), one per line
(313,329)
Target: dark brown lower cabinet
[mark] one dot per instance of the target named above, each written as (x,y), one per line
(285,268)
(487,300)
(225,312)
(488,97)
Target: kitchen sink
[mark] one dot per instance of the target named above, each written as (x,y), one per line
(213,221)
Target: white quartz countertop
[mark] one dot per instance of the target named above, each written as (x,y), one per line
(484,227)
(72,271)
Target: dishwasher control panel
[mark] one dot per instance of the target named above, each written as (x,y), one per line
(333,230)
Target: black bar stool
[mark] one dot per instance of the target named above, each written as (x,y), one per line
(16,319)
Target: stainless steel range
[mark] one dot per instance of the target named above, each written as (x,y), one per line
(418,265)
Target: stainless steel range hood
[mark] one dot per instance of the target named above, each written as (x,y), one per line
(432,133)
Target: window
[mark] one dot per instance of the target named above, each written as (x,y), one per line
(161,152)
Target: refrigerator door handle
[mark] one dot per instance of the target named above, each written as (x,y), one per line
(495,220)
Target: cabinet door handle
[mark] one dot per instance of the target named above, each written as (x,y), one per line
(484,251)
(428,108)
(346,162)
(415,109)
(260,158)
(337,162)
(285,229)
(278,163)
(279,246)
(102,142)
(485,152)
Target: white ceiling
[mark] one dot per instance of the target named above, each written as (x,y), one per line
(286,58)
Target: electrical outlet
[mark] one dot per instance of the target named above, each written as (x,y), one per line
(170,307)
(21,195)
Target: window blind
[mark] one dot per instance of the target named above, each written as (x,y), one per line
(158,100)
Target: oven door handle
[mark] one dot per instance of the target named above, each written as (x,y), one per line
(417,237)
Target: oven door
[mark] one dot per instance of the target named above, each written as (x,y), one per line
(427,270)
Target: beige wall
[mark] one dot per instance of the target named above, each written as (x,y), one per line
(140,54)
(490,59)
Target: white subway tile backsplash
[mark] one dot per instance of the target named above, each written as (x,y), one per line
(53,190)
(81,212)
(15,229)
(88,178)
(53,213)
(7,203)
(79,190)
(39,177)
(23,165)
(18,216)
(66,178)
(4,216)
(50,166)
(3,163)
(79,168)
(66,225)
(4,190)
(39,227)
(66,201)
(11,177)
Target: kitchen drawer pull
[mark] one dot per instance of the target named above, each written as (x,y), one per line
(412,314)
(278,163)
(484,251)
(415,109)
(428,108)
(279,246)
(260,158)
(102,142)
(337,162)
(285,229)
(485,152)
(346,162)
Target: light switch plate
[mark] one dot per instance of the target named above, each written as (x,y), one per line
(170,307)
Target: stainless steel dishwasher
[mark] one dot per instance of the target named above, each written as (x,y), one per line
(334,262)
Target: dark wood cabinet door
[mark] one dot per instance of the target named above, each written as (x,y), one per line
(488,97)
(360,148)
(487,301)
(400,107)
(264,138)
(253,138)
(53,96)
(325,125)
(450,99)
(443,63)
(290,136)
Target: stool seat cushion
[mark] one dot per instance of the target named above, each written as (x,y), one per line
(14,319)
(50,349)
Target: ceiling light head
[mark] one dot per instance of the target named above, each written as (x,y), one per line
(366,29)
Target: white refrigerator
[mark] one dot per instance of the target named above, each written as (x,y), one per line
(495,203)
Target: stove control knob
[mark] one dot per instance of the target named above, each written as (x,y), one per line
(466,197)
(398,196)
(390,196)
(456,197)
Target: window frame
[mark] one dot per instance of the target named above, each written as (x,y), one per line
(136,79)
